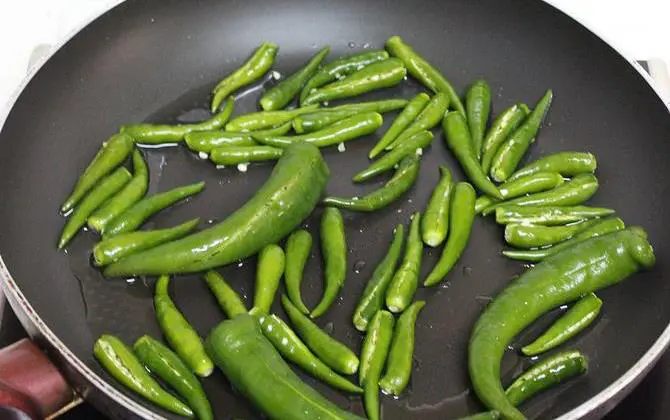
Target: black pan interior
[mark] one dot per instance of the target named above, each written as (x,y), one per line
(156,60)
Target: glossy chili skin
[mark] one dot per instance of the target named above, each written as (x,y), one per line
(417,141)
(401,291)
(167,365)
(342,131)
(545,374)
(183,339)
(234,155)
(372,298)
(332,352)
(130,194)
(298,248)
(380,75)
(537,182)
(334,251)
(574,192)
(113,153)
(402,181)
(206,141)
(562,278)
(321,118)
(523,235)
(511,152)
(549,215)
(256,370)
(565,163)
(431,116)
(138,213)
(289,345)
(478,108)
(284,92)
(253,69)
(435,221)
(603,227)
(271,262)
(404,120)
(120,362)
(287,197)
(576,319)
(112,249)
(341,68)
(154,134)
(264,120)
(230,302)
(106,189)
(457,136)
(399,362)
(423,71)
(504,125)
(461,219)
(373,357)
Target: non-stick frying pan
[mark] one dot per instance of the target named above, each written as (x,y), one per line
(156,60)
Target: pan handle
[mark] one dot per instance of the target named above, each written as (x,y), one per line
(29,382)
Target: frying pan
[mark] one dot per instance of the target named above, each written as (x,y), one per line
(156,61)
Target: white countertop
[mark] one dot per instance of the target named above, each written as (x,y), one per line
(640,29)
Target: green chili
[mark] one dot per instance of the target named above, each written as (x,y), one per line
(334,250)
(253,69)
(206,141)
(461,218)
(435,222)
(318,119)
(281,94)
(233,155)
(373,357)
(113,153)
(230,302)
(401,291)
(504,125)
(271,261)
(179,333)
(550,215)
(566,163)
(263,120)
(537,182)
(404,120)
(478,107)
(429,117)
(522,235)
(298,248)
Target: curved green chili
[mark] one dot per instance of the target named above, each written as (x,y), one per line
(340,132)
(271,261)
(372,298)
(549,215)
(334,250)
(179,333)
(139,212)
(120,362)
(113,153)
(511,152)
(298,248)
(400,292)
(263,120)
(478,107)
(341,68)
(402,181)
(289,345)
(537,182)
(233,155)
(230,302)
(430,116)
(379,75)
(423,71)
(332,352)
(253,69)
(206,141)
(112,249)
(107,187)
(165,134)
(565,163)
(603,227)
(373,357)
(578,317)
(399,362)
(562,278)
(130,194)
(281,94)
(404,120)
(165,364)
(435,222)
(318,119)
(461,218)
(457,136)
(417,141)
(522,235)
(504,125)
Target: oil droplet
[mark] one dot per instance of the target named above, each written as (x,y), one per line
(352,44)
(359,266)
(467,271)
(152,20)
(131,280)
(399,210)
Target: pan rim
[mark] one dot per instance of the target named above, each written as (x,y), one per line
(595,407)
